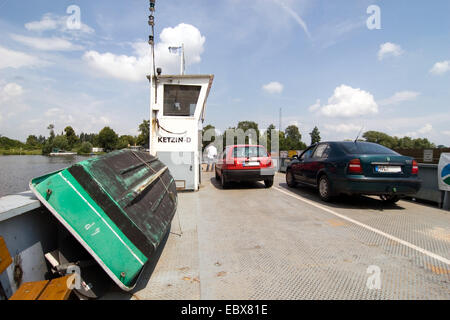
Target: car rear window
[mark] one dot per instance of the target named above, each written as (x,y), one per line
(249,152)
(366,148)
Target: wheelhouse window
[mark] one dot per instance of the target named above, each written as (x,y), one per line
(180,101)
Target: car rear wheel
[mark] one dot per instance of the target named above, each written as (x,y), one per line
(223,181)
(325,191)
(290,179)
(390,199)
(268,183)
(217,175)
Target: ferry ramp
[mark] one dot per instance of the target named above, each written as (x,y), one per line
(248,242)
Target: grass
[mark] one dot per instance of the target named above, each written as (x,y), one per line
(19,152)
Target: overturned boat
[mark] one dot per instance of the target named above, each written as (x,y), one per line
(119,207)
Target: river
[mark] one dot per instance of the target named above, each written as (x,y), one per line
(17,171)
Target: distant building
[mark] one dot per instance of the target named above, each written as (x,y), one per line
(96,150)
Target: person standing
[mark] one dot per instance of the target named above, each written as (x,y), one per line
(211,155)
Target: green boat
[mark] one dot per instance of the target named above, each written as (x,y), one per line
(118,206)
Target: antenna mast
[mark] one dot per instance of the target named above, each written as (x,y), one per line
(151,42)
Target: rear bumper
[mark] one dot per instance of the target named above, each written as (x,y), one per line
(249,175)
(378,186)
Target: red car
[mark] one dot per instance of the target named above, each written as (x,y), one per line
(239,163)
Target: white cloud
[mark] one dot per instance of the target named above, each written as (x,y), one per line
(46,44)
(10,93)
(426,129)
(349,102)
(441,68)
(343,128)
(400,97)
(273,87)
(136,67)
(54,22)
(447,133)
(389,49)
(315,106)
(11,100)
(16,59)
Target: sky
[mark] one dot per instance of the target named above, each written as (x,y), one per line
(343,66)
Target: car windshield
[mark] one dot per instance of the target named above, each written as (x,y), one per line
(366,148)
(249,152)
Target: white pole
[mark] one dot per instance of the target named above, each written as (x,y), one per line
(182,60)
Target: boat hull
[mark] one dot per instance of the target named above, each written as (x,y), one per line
(119,207)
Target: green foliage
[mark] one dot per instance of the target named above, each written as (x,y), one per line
(251,129)
(108,139)
(293,139)
(51,127)
(266,139)
(398,143)
(144,136)
(90,137)
(60,143)
(6,144)
(126,141)
(86,148)
(33,142)
(207,140)
(315,136)
(71,136)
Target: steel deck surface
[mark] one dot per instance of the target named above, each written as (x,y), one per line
(249,242)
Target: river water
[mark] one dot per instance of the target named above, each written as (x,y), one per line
(17,171)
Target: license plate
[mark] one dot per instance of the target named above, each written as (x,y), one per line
(388,169)
(252,164)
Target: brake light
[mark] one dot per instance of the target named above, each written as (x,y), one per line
(355,167)
(415,168)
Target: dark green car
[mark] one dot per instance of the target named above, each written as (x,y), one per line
(355,168)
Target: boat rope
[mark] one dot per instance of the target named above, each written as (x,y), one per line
(162,128)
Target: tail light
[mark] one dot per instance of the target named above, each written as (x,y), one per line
(415,168)
(355,167)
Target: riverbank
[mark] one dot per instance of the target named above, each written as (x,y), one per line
(19,152)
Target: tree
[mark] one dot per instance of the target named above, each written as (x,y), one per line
(32,141)
(71,136)
(86,147)
(60,142)
(108,139)
(208,136)
(144,136)
(315,136)
(293,139)
(51,127)
(126,141)
(267,137)
(380,138)
(251,131)
(397,143)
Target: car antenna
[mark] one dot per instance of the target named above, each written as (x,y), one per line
(359,133)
